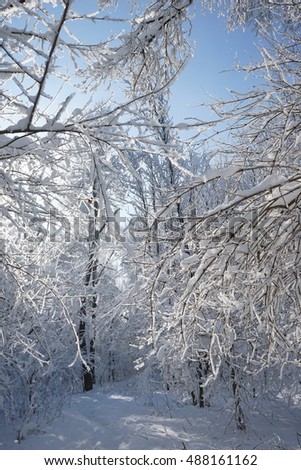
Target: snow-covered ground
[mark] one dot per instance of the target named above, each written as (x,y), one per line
(114,418)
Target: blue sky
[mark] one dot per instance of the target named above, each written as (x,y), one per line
(215,50)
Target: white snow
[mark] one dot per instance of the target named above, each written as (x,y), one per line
(193,259)
(116,418)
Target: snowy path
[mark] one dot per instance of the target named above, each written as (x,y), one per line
(116,420)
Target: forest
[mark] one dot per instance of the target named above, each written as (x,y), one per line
(135,248)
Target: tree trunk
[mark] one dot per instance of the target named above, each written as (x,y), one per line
(239,415)
(87,373)
(86,338)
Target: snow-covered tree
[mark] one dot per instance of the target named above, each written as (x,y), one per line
(83,122)
(238,293)
(56,116)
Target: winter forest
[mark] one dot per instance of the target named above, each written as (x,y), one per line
(139,254)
